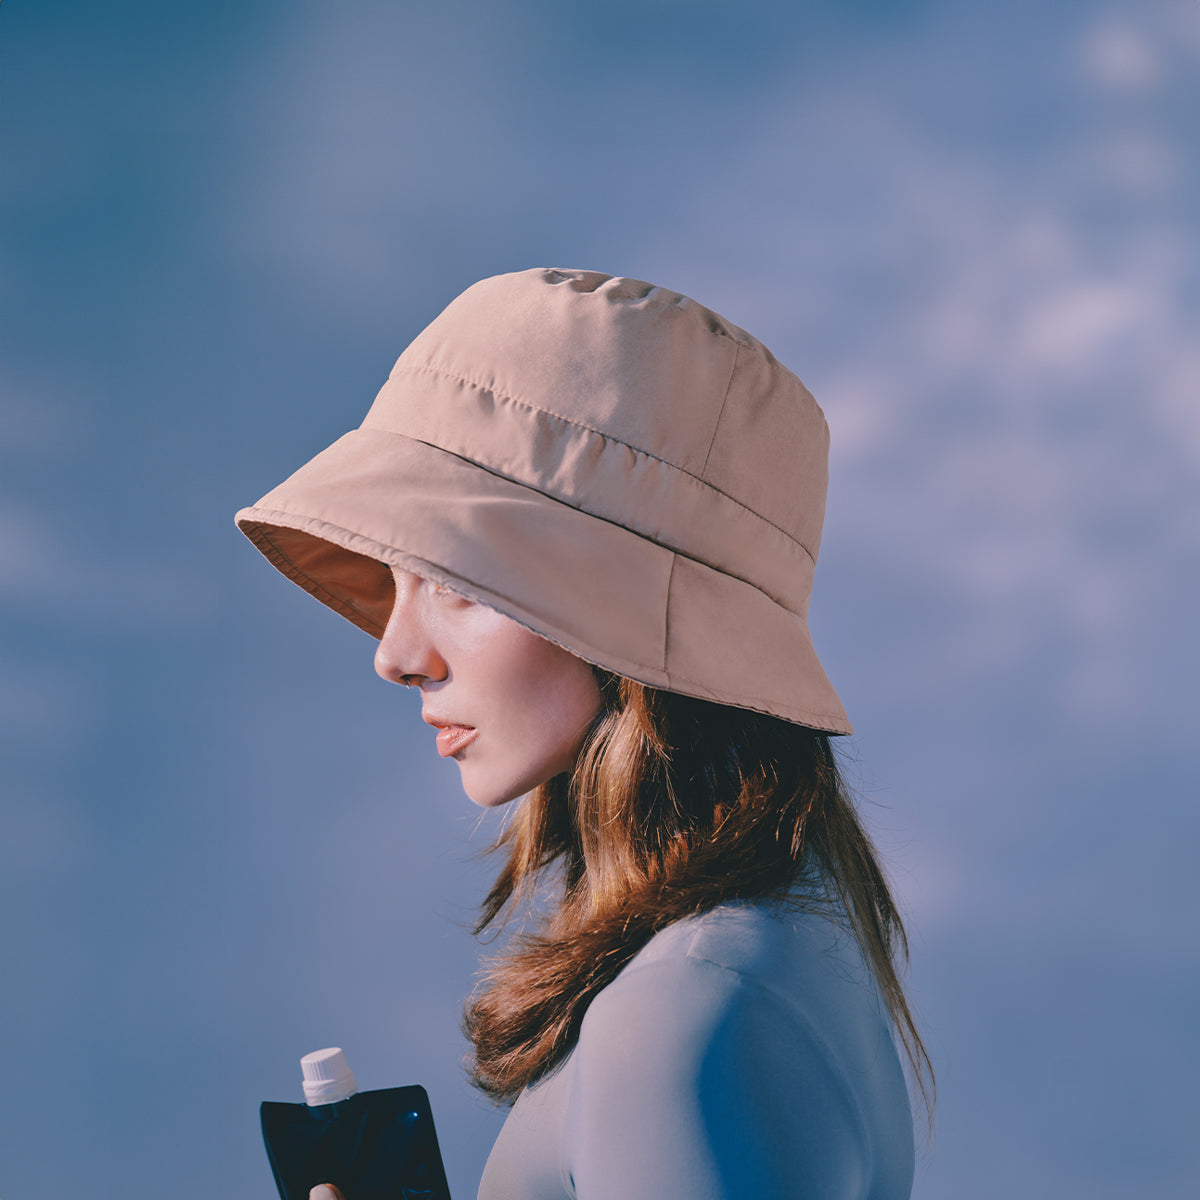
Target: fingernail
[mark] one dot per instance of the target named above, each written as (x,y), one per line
(323,1191)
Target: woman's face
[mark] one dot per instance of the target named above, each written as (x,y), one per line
(510,707)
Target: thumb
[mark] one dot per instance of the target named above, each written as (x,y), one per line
(325,1191)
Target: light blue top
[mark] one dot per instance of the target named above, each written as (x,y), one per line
(741,1054)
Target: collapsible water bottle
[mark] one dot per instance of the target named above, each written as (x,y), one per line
(377,1145)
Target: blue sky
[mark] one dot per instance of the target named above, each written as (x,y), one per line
(972,230)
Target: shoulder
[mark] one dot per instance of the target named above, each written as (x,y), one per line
(750,1035)
(734,992)
(803,965)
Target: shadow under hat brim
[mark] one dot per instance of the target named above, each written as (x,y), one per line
(613,597)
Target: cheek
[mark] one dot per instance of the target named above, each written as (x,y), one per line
(572,708)
(557,702)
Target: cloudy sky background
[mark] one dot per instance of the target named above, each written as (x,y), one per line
(971,229)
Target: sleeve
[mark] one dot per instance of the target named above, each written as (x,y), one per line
(694,1081)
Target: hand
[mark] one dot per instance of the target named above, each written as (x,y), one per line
(325,1191)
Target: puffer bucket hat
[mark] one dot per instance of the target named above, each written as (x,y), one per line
(608,463)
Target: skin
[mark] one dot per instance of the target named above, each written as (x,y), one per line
(529,701)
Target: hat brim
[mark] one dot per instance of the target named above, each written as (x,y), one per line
(614,597)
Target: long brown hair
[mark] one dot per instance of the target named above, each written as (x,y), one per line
(675,805)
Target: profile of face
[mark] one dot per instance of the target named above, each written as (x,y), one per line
(511,708)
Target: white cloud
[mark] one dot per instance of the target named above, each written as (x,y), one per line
(860,420)
(1135,52)
(1069,330)
(1119,57)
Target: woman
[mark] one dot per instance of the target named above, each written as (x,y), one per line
(582,517)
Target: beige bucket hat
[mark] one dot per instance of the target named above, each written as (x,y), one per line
(606,462)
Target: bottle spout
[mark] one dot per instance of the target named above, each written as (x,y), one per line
(327,1077)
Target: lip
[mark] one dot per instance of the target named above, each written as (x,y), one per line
(442,722)
(452,738)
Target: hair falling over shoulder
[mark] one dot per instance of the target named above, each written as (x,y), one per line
(675,805)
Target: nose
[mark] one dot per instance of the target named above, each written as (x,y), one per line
(406,652)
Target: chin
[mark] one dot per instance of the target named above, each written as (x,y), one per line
(494,795)
(491,801)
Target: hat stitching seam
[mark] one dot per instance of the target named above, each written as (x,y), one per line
(430,369)
(712,441)
(667,617)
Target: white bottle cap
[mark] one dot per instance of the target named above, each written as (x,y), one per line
(327,1076)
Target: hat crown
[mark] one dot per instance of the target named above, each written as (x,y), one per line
(631,402)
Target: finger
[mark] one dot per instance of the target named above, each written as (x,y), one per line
(325,1191)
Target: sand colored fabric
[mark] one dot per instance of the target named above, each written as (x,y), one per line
(607,462)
